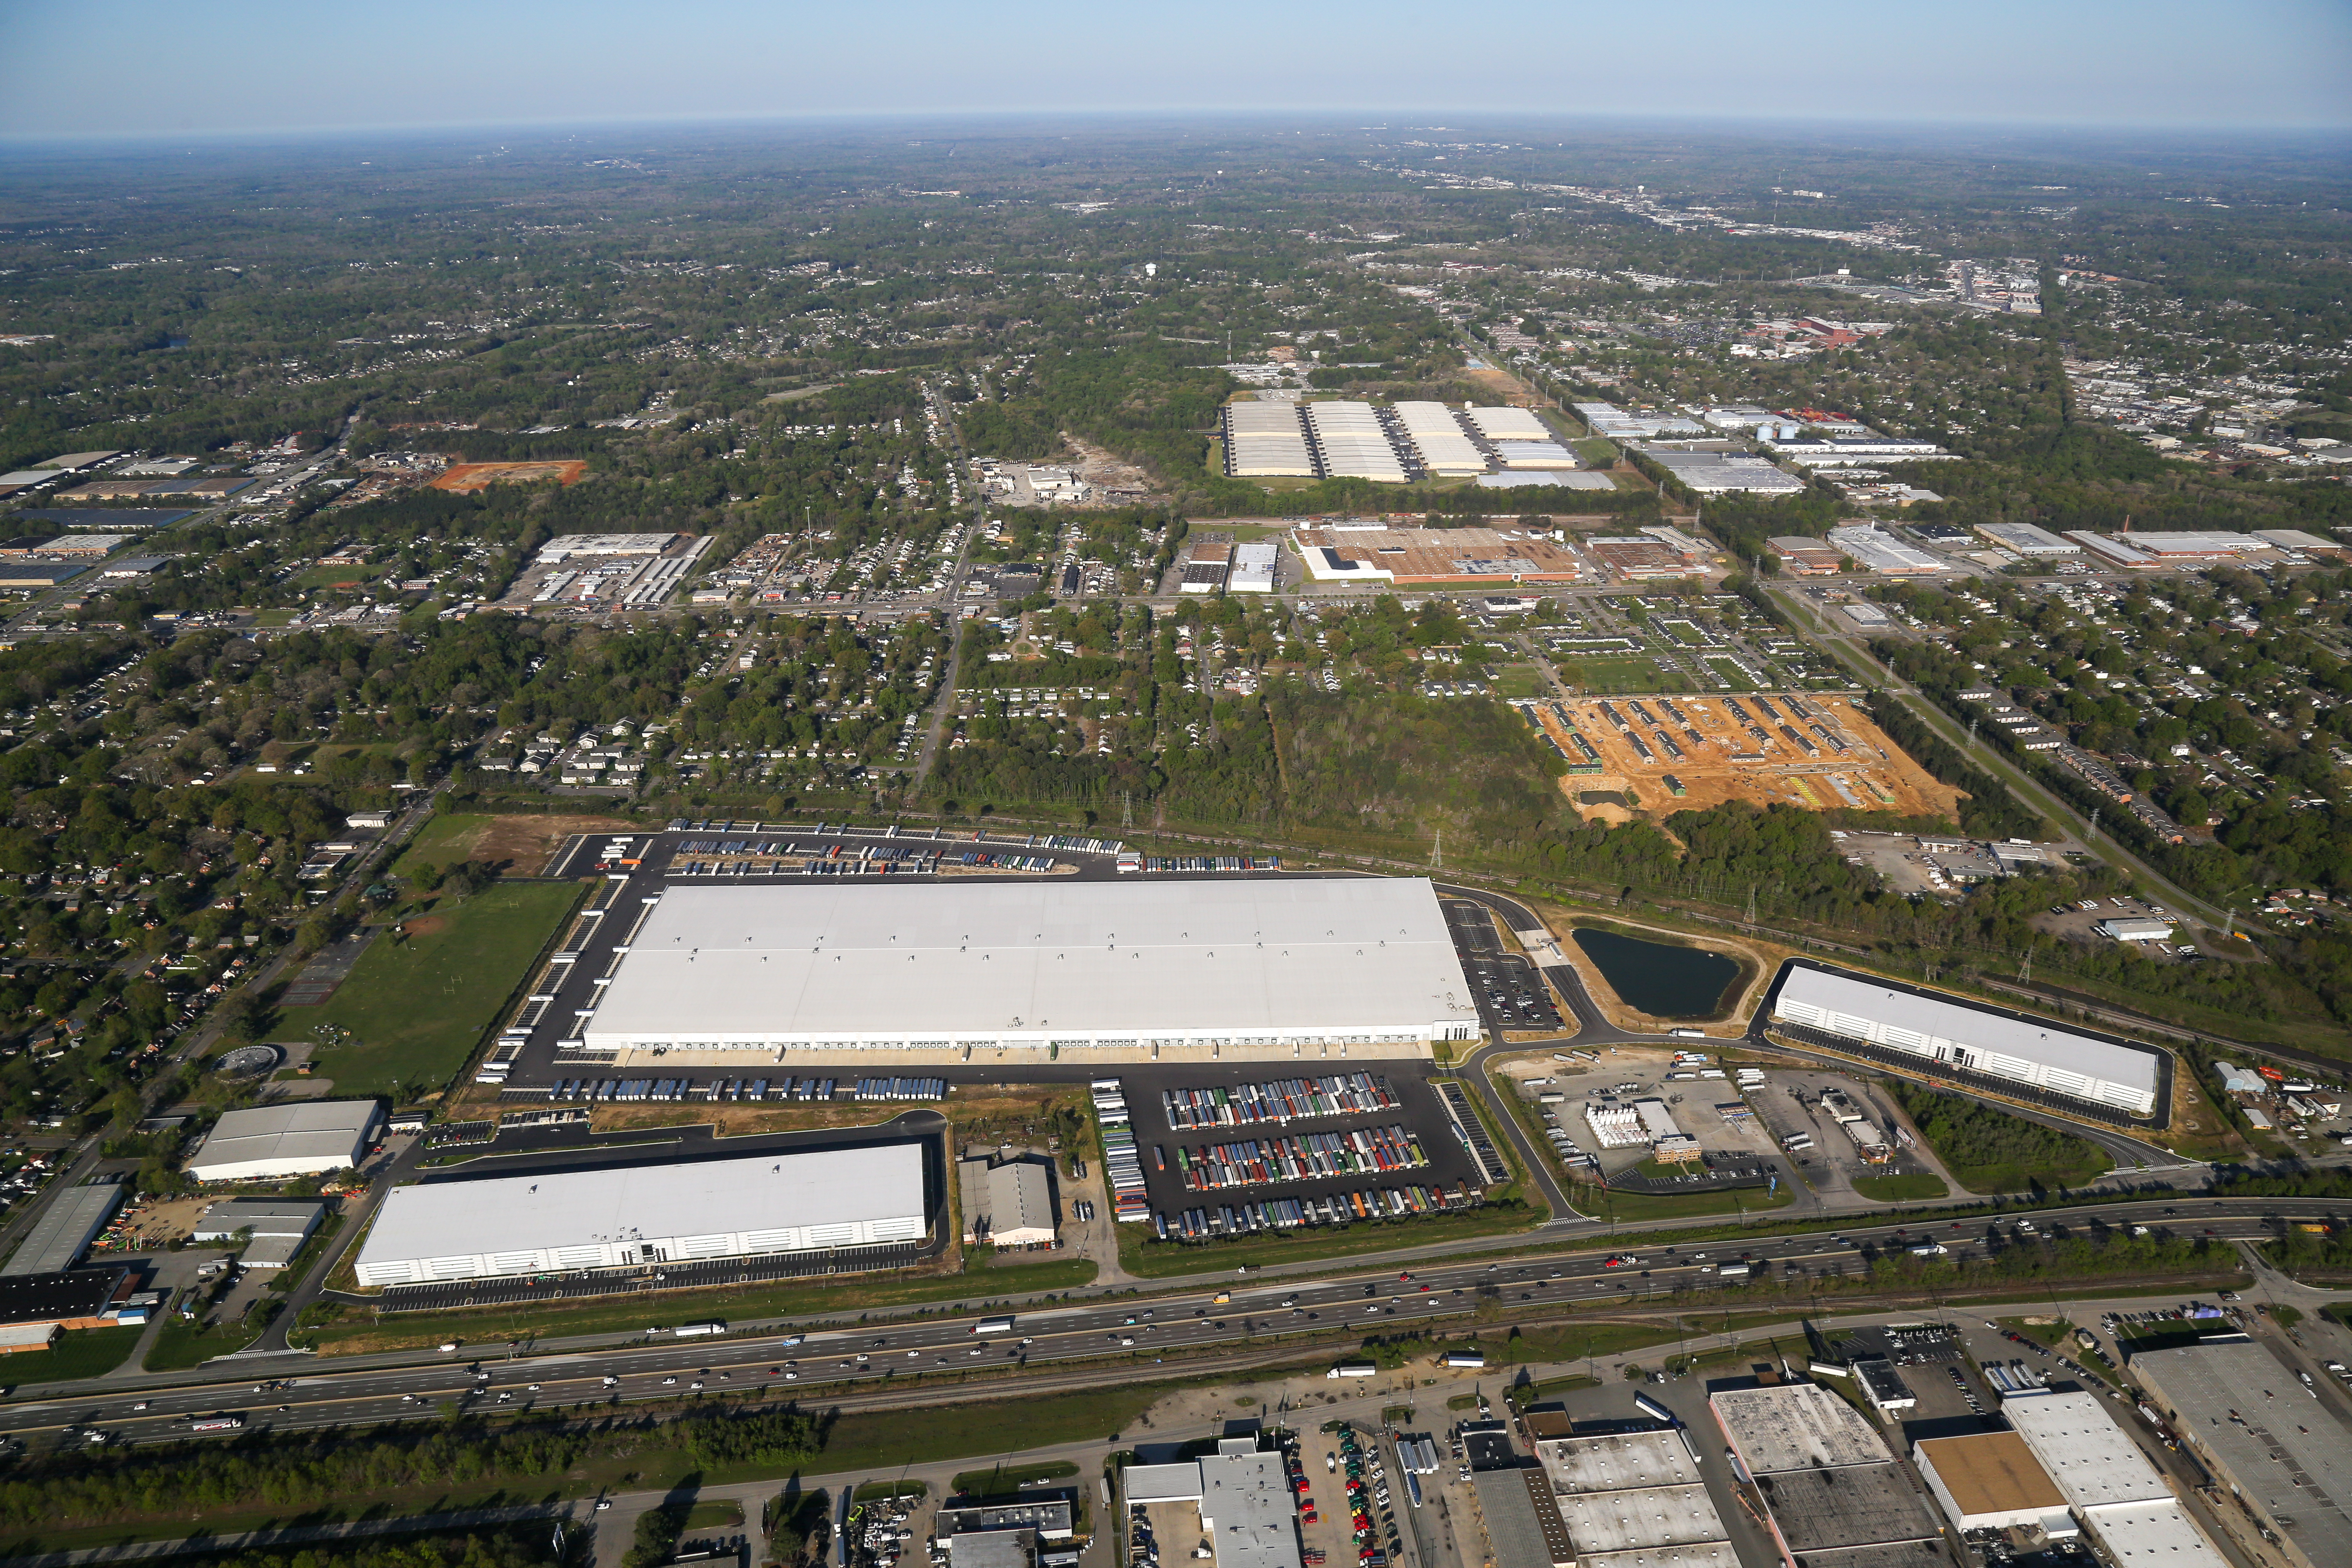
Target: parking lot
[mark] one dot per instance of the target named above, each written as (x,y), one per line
(1511,992)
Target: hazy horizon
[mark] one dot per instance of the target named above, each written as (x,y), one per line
(263,68)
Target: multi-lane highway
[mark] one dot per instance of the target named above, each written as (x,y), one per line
(1279,1317)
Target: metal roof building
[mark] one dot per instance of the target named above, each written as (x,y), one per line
(300,1137)
(647,1214)
(1274,967)
(1247,1510)
(2289,1458)
(66,1229)
(1010,1204)
(1934,1029)
(1634,1492)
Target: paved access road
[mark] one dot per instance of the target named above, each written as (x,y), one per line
(841,1363)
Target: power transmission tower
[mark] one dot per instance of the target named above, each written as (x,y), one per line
(2094,824)
(1127,812)
(1437,852)
(2025,969)
(1972,732)
(1751,903)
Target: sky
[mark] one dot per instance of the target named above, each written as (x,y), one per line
(151,69)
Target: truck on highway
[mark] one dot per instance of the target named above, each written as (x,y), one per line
(994,1326)
(698,1330)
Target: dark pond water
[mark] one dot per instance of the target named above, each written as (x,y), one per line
(1662,980)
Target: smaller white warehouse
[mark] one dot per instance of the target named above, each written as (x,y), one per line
(302,1138)
(2134,928)
(635,1215)
(1978,1039)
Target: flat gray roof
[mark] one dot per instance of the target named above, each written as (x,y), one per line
(2293,1460)
(1616,1461)
(2044,1045)
(1853,1505)
(842,962)
(302,1130)
(1796,1427)
(1513,1527)
(66,1229)
(559,1208)
(1632,1517)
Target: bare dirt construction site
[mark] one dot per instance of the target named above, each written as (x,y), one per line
(468,478)
(1669,754)
(526,843)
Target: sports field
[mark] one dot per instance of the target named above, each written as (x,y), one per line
(416,1007)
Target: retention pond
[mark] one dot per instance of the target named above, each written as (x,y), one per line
(1659,978)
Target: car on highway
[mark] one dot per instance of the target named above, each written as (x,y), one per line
(1619,1260)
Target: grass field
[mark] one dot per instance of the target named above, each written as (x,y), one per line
(1908,1188)
(182,1345)
(1623,1207)
(1006,1479)
(82,1353)
(1159,1260)
(1521,681)
(445,839)
(417,1008)
(737,1304)
(1631,677)
(717,1513)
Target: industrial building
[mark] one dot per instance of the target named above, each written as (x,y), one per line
(1360,556)
(2024,538)
(563,546)
(66,1229)
(2286,1456)
(1875,549)
(1725,473)
(1832,1489)
(69,1299)
(1248,1512)
(1008,1204)
(272,1230)
(1523,1525)
(1438,440)
(300,1137)
(1266,440)
(1631,1492)
(1959,1038)
(2134,928)
(627,1216)
(1828,1482)
(1253,567)
(1802,557)
(1352,442)
(1102,971)
(1990,1480)
(2118,1495)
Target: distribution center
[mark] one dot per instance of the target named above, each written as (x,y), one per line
(1100,970)
(637,1214)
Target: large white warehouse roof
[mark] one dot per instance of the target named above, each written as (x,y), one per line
(607,1219)
(843,964)
(2026,1050)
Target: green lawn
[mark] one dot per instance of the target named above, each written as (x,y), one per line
(1722,668)
(1521,681)
(1162,1259)
(740,1304)
(445,839)
(182,1345)
(1629,677)
(1597,451)
(1004,1480)
(417,1008)
(1625,1207)
(1908,1188)
(717,1513)
(82,1353)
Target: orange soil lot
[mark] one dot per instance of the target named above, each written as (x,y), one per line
(1729,763)
(468,478)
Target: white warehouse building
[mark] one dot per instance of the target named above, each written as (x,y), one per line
(297,1137)
(2023,1050)
(841,970)
(647,1214)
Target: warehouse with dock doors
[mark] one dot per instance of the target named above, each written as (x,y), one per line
(1947,1036)
(847,972)
(628,1216)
